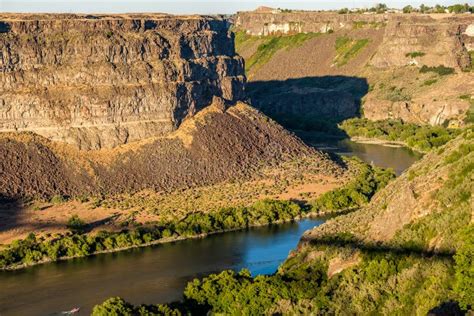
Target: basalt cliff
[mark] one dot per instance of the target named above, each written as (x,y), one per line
(413,67)
(101,81)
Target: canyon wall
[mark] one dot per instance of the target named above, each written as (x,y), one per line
(442,41)
(267,23)
(393,49)
(101,81)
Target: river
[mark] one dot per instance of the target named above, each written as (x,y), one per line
(159,274)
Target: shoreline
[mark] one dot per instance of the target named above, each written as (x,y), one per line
(321,215)
(383,142)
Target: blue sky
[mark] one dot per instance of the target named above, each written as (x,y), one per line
(189,6)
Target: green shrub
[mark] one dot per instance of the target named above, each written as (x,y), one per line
(430,82)
(415,54)
(440,70)
(58,199)
(76,224)
(357,192)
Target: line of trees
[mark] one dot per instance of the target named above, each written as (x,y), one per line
(382,8)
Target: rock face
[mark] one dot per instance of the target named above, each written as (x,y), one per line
(102,81)
(275,22)
(443,42)
(388,68)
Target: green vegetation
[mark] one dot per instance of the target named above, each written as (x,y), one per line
(35,249)
(464,270)
(421,138)
(429,82)
(356,193)
(415,54)
(471,56)
(455,8)
(364,24)
(242,39)
(440,70)
(427,265)
(396,284)
(75,224)
(272,44)
(347,48)
(470,113)
(32,249)
(395,94)
(58,199)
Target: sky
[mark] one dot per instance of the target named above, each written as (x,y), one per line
(193,7)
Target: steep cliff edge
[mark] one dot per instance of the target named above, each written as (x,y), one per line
(413,67)
(101,81)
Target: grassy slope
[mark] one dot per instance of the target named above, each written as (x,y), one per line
(347,49)
(269,46)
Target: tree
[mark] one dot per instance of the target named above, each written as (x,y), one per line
(464,270)
(114,306)
(408,9)
(76,224)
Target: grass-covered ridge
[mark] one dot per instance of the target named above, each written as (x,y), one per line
(347,48)
(421,138)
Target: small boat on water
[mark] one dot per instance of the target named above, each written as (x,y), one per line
(73,311)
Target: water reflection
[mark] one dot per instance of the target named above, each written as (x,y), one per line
(397,158)
(147,275)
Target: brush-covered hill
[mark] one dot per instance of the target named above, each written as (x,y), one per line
(410,250)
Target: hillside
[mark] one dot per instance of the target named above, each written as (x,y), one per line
(219,152)
(408,252)
(301,65)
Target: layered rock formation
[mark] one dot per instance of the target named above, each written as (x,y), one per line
(442,42)
(275,22)
(101,81)
(382,77)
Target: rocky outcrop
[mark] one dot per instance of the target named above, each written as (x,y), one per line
(277,22)
(440,41)
(101,81)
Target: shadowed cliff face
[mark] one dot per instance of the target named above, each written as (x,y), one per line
(102,81)
(310,103)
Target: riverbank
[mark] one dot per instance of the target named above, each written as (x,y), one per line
(312,215)
(421,138)
(32,250)
(382,142)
